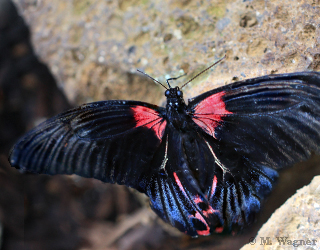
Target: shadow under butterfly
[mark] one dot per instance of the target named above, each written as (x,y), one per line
(206,165)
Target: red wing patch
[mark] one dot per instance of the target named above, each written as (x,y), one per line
(208,113)
(176,178)
(213,187)
(147,117)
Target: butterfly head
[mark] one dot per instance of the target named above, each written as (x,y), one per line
(175,99)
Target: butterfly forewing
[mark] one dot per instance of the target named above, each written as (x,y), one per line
(112,141)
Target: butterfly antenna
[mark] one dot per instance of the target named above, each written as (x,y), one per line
(203,71)
(174,78)
(153,79)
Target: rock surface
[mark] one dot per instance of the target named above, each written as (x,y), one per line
(295,224)
(95,47)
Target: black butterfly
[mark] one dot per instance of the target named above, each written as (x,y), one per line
(205,166)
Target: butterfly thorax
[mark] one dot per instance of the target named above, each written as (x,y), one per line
(176,108)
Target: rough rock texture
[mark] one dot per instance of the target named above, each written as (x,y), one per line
(295,223)
(95,47)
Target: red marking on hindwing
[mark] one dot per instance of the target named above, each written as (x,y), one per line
(209,112)
(197,214)
(147,117)
(176,178)
(207,230)
(219,230)
(213,187)
(197,199)
(201,214)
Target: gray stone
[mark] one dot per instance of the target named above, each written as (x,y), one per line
(87,43)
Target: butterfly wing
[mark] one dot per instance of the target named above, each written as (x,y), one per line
(252,129)
(112,141)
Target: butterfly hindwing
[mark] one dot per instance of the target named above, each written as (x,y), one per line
(112,141)
(198,193)
(178,193)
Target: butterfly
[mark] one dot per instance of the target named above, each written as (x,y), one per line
(206,166)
